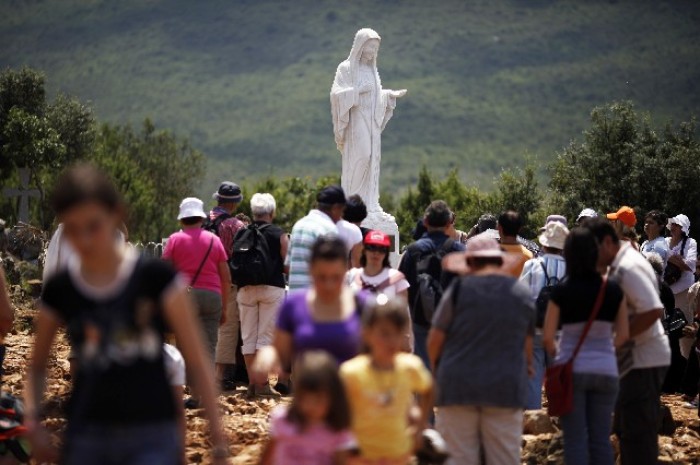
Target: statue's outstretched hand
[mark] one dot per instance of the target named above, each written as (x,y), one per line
(398,93)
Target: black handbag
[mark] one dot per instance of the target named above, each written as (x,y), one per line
(674,322)
(673,273)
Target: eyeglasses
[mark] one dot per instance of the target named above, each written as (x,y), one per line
(376,248)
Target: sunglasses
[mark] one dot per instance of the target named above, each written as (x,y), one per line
(376,248)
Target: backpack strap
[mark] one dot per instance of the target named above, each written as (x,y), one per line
(546,275)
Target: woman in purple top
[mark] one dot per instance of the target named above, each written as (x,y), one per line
(324,317)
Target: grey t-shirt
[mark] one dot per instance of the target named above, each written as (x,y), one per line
(483,360)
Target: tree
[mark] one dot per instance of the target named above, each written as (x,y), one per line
(154,170)
(624,160)
(519,190)
(40,136)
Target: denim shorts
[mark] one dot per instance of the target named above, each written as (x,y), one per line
(152,444)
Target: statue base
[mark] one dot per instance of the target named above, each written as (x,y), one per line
(386,223)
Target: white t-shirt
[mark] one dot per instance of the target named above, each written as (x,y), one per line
(58,255)
(638,280)
(690,257)
(174,365)
(349,233)
(399,283)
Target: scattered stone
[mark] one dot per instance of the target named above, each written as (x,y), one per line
(538,422)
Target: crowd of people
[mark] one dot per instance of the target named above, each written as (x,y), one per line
(438,357)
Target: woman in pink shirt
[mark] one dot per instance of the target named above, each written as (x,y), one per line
(201,259)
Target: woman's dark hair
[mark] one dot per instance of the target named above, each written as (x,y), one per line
(393,311)
(191,220)
(82,184)
(317,372)
(385,263)
(481,262)
(601,228)
(355,209)
(329,248)
(581,253)
(658,217)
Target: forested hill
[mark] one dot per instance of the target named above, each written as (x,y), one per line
(248,81)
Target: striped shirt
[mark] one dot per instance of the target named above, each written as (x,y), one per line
(533,273)
(305,232)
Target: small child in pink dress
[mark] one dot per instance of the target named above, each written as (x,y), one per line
(315,428)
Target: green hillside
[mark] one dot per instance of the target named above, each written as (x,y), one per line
(247,81)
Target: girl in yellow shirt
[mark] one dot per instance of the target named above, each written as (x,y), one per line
(381,386)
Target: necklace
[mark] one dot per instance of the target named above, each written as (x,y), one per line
(385,381)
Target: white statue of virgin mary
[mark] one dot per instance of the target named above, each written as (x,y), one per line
(361,109)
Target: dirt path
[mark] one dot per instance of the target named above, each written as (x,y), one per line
(246,422)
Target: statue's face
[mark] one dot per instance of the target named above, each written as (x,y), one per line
(369,51)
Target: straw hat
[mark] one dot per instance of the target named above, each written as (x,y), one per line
(478,247)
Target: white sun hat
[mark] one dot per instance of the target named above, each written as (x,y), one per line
(554,235)
(682,221)
(191,207)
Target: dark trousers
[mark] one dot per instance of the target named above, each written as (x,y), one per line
(689,386)
(637,415)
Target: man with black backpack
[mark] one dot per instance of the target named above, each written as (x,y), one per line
(422,266)
(540,275)
(224,224)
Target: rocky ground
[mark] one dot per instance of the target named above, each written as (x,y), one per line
(246,422)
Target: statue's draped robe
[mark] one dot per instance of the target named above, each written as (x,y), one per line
(358,122)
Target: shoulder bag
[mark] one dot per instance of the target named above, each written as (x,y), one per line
(201,265)
(559,380)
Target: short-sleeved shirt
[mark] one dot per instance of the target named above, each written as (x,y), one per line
(657,246)
(523,255)
(690,257)
(533,275)
(227,228)
(486,324)
(117,334)
(349,233)
(380,401)
(576,299)
(304,234)
(341,339)
(316,445)
(391,281)
(187,250)
(638,281)
(174,365)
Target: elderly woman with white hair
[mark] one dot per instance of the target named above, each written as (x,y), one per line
(260,295)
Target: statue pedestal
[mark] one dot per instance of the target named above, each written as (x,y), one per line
(385,223)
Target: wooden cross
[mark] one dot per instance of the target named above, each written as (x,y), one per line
(23,192)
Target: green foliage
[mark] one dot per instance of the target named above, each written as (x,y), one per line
(514,189)
(624,160)
(247,81)
(294,196)
(41,136)
(154,170)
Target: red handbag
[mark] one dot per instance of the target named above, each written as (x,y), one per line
(559,379)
